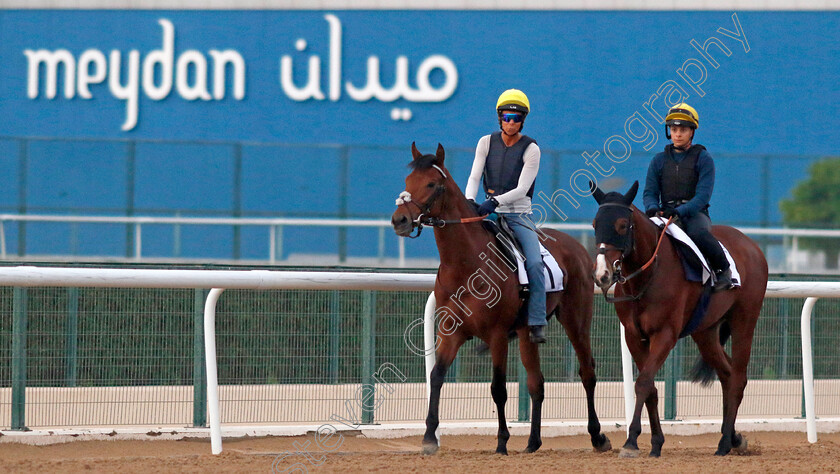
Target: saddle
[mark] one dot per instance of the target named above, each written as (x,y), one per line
(697,269)
(511,249)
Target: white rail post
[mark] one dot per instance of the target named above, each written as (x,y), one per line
(212,372)
(429,339)
(627,372)
(808,370)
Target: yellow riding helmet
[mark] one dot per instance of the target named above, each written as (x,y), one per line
(515,100)
(683,114)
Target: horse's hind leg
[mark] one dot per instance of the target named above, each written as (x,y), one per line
(709,345)
(577,328)
(498,388)
(743,325)
(536,387)
(445,355)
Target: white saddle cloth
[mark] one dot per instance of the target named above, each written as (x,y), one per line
(552,271)
(679,234)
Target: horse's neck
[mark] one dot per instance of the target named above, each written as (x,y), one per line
(460,245)
(646,238)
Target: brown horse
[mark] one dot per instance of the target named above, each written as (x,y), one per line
(656,303)
(478,295)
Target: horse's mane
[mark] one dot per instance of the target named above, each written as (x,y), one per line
(424,162)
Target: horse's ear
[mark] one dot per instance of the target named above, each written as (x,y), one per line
(596,192)
(631,194)
(414,151)
(439,154)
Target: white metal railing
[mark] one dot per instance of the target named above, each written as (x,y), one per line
(28,276)
(276,225)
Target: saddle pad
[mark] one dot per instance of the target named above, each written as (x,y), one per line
(552,271)
(679,234)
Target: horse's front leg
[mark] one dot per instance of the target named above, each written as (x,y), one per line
(649,357)
(445,355)
(498,387)
(660,346)
(530,355)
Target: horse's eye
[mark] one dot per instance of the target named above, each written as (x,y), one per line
(621,226)
(430,185)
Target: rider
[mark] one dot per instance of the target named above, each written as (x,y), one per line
(679,183)
(509,162)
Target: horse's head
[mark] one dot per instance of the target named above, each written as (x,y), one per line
(424,188)
(613,233)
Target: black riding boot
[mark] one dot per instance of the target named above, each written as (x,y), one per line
(723,279)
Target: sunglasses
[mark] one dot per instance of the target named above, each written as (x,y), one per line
(515,118)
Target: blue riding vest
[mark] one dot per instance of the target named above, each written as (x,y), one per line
(504,165)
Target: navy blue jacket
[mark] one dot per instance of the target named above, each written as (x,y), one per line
(705,183)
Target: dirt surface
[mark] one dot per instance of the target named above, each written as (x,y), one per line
(768,452)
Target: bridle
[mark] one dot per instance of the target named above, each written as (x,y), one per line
(627,249)
(405,199)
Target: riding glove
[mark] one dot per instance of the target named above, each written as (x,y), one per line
(487,207)
(652,212)
(669,212)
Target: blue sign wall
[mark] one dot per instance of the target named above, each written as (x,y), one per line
(599,83)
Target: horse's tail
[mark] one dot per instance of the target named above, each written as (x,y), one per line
(702,372)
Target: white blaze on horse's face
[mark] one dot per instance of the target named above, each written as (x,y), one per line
(603,273)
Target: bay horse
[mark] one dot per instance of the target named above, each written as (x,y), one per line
(655,302)
(478,295)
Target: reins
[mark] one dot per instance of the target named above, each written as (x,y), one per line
(431,221)
(622,279)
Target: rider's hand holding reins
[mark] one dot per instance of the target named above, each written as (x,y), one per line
(488,207)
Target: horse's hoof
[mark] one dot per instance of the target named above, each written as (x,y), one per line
(654,455)
(628,453)
(741,449)
(532,448)
(430,448)
(502,451)
(605,445)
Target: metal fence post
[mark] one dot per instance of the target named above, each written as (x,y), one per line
(199,370)
(343,182)
(671,375)
(237,199)
(130,171)
(335,335)
(23,170)
(368,355)
(19,359)
(522,376)
(71,344)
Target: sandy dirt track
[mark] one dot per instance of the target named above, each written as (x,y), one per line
(769,452)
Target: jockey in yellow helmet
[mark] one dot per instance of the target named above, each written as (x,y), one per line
(680,181)
(509,161)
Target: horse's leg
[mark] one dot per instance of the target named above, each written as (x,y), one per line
(639,351)
(498,387)
(578,331)
(708,343)
(742,336)
(646,394)
(530,355)
(445,355)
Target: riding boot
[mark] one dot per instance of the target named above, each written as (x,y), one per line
(723,279)
(537,335)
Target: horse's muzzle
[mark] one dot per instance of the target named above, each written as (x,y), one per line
(602,274)
(402,224)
